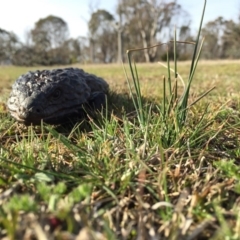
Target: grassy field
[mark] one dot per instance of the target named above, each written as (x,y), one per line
(117,177)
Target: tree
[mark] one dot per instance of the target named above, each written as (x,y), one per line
(48,37)
(149,22)
(103,37)
(52,31)
(75,49)
(8,46)
(231,39)
(222,39)
(213,32)
(24,56)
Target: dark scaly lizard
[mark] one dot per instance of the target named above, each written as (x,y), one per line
(55,96)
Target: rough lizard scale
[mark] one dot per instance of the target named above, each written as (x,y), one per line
(55,96)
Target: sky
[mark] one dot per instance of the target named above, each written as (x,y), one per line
(19,16)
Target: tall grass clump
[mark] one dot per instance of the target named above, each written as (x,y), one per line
(173,111)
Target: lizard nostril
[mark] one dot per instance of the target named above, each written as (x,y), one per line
(36,110)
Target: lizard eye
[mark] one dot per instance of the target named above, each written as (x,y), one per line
(56,94)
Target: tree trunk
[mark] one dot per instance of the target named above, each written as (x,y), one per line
(91,48)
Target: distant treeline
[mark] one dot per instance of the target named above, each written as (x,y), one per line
(135,24)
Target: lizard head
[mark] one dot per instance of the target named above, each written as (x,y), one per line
(48,95)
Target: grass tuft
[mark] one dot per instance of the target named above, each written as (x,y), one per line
(173,112)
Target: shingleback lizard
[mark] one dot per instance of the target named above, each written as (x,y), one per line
(55,96)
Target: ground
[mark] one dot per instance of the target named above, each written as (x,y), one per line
(123,175)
